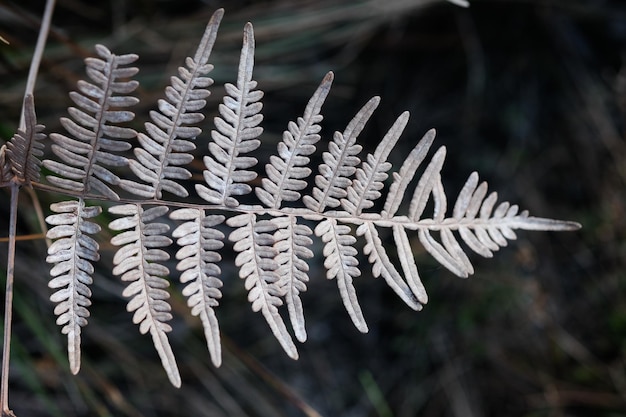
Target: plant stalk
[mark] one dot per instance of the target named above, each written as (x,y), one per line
(44,29)
(8,305)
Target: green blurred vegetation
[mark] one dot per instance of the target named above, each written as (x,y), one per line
(531,94)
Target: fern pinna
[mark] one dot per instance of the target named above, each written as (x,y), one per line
(273,240)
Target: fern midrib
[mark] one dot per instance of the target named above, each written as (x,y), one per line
(72,289)
(144,274)
(359,207)
(305,213)
(233,153)
(200,267)
(302,134)
(30,131)
(99,116)
(293,250)
(171,131)
(260,281)
(344,154)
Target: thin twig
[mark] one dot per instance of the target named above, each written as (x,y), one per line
(41,43)
(40,215)
(8,304)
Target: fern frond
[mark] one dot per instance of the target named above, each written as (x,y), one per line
(26,146)
(197,260)
(369,178)
(237,132)
(272,243)
(292,242)
(94,134)
(340,163)
(286,172)
(169,137)
(342,265)
(71,253)
(254,241)
(139,262)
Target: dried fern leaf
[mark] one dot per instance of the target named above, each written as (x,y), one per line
(271,242)
(426,184)
(139,262)
(71,254)
(6,174)
(254,243)
(342,265)
(402,178)
(292,243)
(405,254)
(369,177)
(26,146)
(199,242)
(236,133)
(339,162)
(168,139)
(286,173)
(382,265)
(482,228)
(94,136)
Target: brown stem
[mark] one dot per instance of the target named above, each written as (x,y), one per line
(8,305)
(41,43)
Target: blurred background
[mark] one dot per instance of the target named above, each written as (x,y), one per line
(531,94)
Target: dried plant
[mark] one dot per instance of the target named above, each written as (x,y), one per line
(273,240)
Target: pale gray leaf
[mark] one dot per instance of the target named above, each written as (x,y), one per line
(24,148)
(342,265)
(339,162)
(138,262)
(425,185)
(402,178)
(365,188)
(382,265)
(285,173)
(255,258)
(237,132)
(199,240)
(71,253)
(407,260)
(292,243)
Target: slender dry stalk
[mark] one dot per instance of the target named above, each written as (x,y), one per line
(8,305)
(15,188)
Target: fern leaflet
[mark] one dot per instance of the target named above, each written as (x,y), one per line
(165,148)
(26,146)
(236,133)
(199,240)
(139,262)
(72,253)
(94,134)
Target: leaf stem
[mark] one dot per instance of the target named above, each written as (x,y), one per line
(8,304)
(41,44)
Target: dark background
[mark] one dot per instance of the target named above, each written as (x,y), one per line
(531,94)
